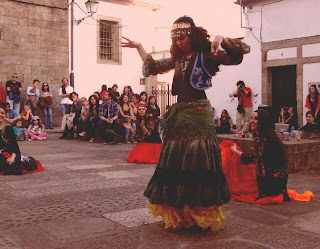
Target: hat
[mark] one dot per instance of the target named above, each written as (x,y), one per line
(114,85)
(35,118)
(141,105)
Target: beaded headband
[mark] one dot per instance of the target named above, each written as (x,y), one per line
(180,29)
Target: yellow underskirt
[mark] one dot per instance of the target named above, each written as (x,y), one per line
(203,217)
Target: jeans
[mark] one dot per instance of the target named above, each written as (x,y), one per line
(64,108)
(127,131)
(47,115)
(13,105)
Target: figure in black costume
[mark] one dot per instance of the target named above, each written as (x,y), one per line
(11,160)
(188,187)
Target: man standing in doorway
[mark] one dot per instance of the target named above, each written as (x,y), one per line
(244,110)
(14,89)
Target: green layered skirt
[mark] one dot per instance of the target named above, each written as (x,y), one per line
(189,171)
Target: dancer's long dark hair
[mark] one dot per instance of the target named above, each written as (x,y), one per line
(265,124)
(199,39)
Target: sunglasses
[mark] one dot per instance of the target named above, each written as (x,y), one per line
(45,85)
(16,77)
(142,109)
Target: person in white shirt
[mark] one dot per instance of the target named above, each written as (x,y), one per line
(64,93)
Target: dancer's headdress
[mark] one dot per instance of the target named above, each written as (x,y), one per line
(182,27)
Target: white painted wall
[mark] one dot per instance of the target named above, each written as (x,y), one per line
(310,74)
(89,75)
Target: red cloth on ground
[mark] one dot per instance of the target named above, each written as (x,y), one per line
(144,153)
(242,180)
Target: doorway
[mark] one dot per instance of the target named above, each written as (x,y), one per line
(284,89)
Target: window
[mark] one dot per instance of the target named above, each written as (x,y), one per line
(109,46)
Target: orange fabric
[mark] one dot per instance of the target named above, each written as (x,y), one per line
(186,217)
(306,196)
(242,180)
(308,103)
(144,153)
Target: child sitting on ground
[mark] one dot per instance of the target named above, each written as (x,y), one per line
(20,132)
(35,129)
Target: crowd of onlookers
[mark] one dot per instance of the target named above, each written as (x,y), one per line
(111,116)
(108,115)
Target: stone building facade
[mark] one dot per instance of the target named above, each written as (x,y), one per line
(34,43)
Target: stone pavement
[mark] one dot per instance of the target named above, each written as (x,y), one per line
(88,197)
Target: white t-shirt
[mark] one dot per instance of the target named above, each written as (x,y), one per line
(69,89)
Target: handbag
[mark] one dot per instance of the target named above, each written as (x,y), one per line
(240,107)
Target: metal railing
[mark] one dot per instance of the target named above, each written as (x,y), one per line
(164,97)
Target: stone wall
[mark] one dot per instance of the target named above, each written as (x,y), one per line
(34,44)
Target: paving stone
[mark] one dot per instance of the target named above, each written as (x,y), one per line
(118,174)
(77,228)
(90,166)
(133,218)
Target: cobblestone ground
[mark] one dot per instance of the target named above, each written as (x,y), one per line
(89,197)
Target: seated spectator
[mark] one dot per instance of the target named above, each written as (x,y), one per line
(292,120)
(108,122)
(225,125)
(311,129)
(71,119)
(284,115)
(134,103)
(264,170)
(116,94)
(36,129)
(83,116)
(103,91)
(93,117)
(11,161)
(215,119)
(149,142)
(11,114)
(126,115)
(99,97)
(26,116)
(127,90)
(20,132)
(143,97)
(153,110)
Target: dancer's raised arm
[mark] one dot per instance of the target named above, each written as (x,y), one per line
(134,44)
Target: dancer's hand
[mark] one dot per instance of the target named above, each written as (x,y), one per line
(129,43)
(233,148)
(216,44)
(11,159)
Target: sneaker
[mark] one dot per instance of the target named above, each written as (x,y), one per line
(127,141)
(91,140)
(133,141)
(82,134)
(112,143)
(105,143)
(40,138)
(29,139)
(63,137)
(44,138)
